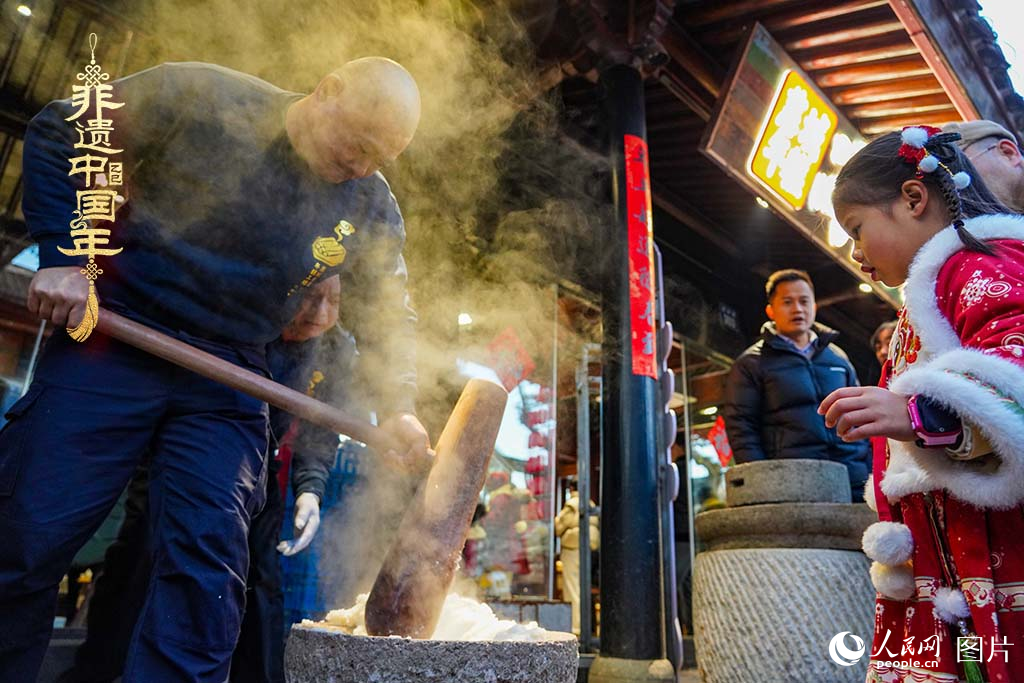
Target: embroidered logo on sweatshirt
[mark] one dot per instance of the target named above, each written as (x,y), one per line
(328,252)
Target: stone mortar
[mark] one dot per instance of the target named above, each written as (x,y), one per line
(320,655)
(787,481)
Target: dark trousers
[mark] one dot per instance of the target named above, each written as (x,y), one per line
(121,589)
(259,656)
(68,451)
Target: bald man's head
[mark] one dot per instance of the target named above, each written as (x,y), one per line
(359,118)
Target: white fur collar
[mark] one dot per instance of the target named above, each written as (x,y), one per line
(935,332)
(905,474)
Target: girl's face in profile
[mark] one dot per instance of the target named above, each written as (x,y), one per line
(878,245)
(886,237)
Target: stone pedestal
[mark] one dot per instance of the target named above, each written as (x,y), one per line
(782,576)
(769,614)
(319,655)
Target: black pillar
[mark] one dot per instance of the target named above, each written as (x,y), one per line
(631,619)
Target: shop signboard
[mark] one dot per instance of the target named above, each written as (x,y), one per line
(794,138)
(777,134)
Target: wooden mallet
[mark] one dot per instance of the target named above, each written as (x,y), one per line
(410,589)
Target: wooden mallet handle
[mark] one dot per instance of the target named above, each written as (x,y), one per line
(246,381)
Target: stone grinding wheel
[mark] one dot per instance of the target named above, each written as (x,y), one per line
(410,589)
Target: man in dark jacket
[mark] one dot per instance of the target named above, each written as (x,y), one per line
(238,196)
(312,351)
(776,385)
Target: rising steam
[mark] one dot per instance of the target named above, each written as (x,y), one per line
(498,201)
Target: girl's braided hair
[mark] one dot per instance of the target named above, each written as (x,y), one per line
(875,176)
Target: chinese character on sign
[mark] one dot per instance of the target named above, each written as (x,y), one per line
(795,138)
(929,645)
(883,649)
(99,138)
(91,240)
(116,177)
(93,97)
(97,205)
(94,93)
(999,648)
(968,649)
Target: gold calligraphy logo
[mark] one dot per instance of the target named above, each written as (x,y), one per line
(93,204)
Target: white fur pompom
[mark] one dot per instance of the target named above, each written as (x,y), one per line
(961,180)
(914,136)
(888,542)
(950,605)
(928,164)
(895,583)
(869,493)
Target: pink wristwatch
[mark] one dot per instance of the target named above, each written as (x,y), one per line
(925,438)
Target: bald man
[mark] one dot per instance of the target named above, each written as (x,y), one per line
(240,196)
(994,152)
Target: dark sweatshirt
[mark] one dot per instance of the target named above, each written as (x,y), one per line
(224,222)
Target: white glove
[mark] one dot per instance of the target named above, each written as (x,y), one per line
(307,521)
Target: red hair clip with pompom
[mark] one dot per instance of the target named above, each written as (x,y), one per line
(914,138)
(913,151)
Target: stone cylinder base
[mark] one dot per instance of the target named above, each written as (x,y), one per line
(317,655)
(770,614)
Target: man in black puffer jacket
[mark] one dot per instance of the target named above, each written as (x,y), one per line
(776,385)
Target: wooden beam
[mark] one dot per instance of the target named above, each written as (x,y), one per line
(685,52)
(951,83)
(730,11)
(904,67)
(821,11)
(878,92)
(822,14)
(877,48)
(932,118)
(687,90)
(710,388)
(677,123)
(847,35)
(896,107)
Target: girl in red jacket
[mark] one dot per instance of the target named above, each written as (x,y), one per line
(948,417)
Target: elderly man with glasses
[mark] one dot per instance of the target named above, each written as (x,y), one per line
(994,152)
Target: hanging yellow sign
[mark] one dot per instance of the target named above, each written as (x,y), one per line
(794,138)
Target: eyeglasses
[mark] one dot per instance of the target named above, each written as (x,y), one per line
(983,152)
